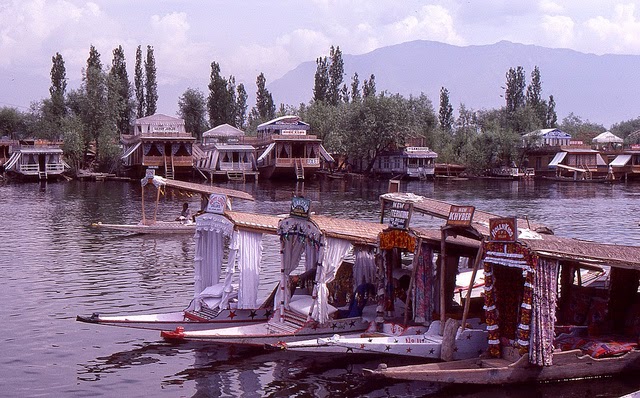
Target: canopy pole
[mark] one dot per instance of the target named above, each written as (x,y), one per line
(409,298)
(467,302)
(155,213)
(443,256)
(144,220)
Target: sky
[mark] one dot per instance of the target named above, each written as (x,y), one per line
(249,37)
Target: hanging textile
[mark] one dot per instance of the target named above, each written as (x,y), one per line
(147,149)
(310,258)
(231,269)
(174,148)
(295,235)
(249,258)
(211,231)
(543,317)
(160,147)
(335,252)
(513,256)
(188,148)
(423,284)
(364,266)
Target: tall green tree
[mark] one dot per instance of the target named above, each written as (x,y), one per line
(355,88)
(120,91)
(445,115)
(241,106)
(534,97)
(321,80)
(94,106)
(336,76)
(515,99)
(551,120)
(192,108)
(266,108)
(150,83)
(219,100)
(58,89)
(139,85)
(369,87)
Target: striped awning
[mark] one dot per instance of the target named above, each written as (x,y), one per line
(620,161)
(557,159)
(130,151)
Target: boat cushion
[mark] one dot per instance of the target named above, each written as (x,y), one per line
(302,303)
(603,349)
(213,291)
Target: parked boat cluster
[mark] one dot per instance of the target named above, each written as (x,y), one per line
(483,299)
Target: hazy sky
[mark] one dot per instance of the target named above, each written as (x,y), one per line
(247,37)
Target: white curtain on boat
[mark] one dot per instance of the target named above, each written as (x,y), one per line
(249,258)
(231,268)
(364,266)
(310,257)
(335,252)
(211,231)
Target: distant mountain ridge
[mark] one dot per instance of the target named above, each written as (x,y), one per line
(599,88)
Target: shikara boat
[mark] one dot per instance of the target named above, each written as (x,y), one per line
(186,226)
(219,300)
(326,242)
(543,323)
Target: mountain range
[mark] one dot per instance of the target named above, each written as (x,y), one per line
(601,89)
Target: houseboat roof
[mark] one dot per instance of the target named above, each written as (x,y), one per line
(548,133)
(224,130)
(39,149)
(284,123)
(232,147)
(158,118)
(419,152)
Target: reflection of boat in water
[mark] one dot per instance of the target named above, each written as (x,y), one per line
(219,300)
(155,226)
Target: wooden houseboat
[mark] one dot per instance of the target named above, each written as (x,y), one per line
(226,156)
(626,166)
(286,150)
(577,164)
(6,147)
(158,141)
(411,162)
(36,160)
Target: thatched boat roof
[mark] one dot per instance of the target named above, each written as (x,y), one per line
(355,231)
(201,188)
(255,222)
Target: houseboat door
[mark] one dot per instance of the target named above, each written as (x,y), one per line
(42,162)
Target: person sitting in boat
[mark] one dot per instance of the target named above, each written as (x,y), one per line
(365,293)
(184,215)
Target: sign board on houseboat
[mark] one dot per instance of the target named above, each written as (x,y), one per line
(460,216)
(300,207)
(504,229)
(400,215)
(217,203)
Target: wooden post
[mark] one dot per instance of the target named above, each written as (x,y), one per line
(467,302)
(144,220)
(409,298)
(443,266)
(155,213)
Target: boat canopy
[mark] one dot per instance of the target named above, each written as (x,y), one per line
(266,152)
(557,159)
(326,155)
(198,188)
(12,160)
(130,151)
(620,160)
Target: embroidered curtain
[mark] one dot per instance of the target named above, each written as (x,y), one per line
(423,284)
(335,252)
(543,317)
(174,149)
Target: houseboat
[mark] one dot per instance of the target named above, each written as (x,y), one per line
(412,162)
(626,166)
(286,150)
(226,156)
(36,160)
(577,164)
(158,141)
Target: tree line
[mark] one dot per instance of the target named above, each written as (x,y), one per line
(352,119)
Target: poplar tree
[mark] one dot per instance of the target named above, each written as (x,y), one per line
(265,106)
(534,97)
(58,88)
(150,83)
(217,101)
(369,87)
(120,91)
(192,108)
(445,115)
(355,88)
(321,80)
(94,112)
(241,106)
(139,85)
(336,76)
(552,118)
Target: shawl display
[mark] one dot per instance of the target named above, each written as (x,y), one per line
(423,284)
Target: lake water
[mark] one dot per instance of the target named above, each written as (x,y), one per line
(54,266)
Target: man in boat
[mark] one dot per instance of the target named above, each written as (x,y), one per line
(184,215)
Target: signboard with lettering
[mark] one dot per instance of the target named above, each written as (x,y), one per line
(217,203)
(300,207)
(503,229)
(460,216)
(400,215)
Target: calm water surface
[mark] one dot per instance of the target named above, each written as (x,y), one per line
(54,266)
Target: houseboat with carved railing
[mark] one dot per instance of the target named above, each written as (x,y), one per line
(286,150)
(160,142)
(225,156)
(36,160)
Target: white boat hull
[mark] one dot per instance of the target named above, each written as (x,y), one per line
(159,227)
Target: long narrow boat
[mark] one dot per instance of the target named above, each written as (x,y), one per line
(217,303)
(544,324)
(155,226)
